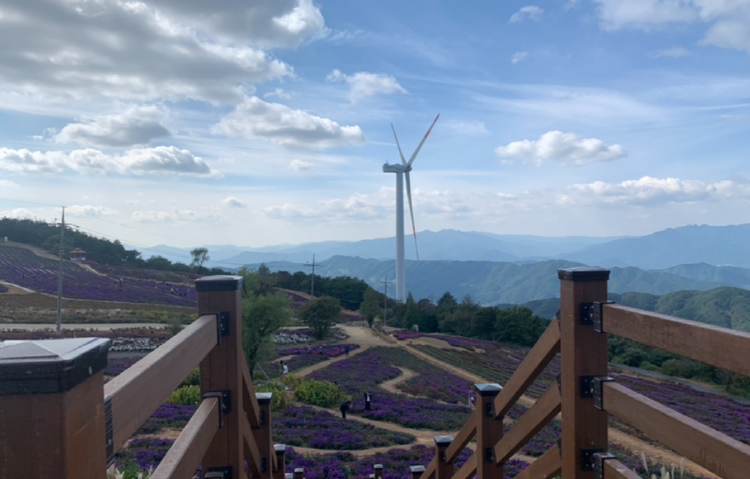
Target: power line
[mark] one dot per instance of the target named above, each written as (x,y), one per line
(30,202)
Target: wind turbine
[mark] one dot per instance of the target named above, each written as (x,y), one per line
(400,170)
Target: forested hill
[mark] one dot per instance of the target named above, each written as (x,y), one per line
(491,283)
(726,307)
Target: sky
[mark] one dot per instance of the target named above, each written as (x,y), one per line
(263,122)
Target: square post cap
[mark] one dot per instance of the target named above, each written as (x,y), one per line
(488,389)
(443,441)
(414,469)
(263,398)
(279,448)
(50,365)
(377,466)
(583,273)
(219,282)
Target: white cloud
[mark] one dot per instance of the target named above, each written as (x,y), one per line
(530,12)
(652,191)
(518,57)
(566,148)
(364,84)
(137,125)
(299,165)
(369,207)
(674,52)
(8,184)
(233,202)
(466,127)
(88,211)
(137,161)
(143,51)
(176,215)
(278,93)
(728,21)
(615,14)
(20,213)
(283,125)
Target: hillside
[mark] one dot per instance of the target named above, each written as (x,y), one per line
(716,245)
(490,282)
(725,307)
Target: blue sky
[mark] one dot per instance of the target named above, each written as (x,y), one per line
(267,121)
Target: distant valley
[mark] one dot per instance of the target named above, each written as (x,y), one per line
(499,269)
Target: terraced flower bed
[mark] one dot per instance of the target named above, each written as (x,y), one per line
(319,429)
(365,371)
(496,364)
(22,267)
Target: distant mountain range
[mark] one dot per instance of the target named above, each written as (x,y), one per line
(713,245)
(496,269)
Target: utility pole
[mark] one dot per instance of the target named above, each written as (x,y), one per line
(60,275)
(385,302)
(312,282)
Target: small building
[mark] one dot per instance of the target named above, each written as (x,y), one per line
(78,255)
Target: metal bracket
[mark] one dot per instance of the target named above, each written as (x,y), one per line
(599,459)
(225,402)
(263,464)
(591,315)
(109,431)
(592,387)
(489,409)
(219,473)
(222,323)
(587,458)
(489,454)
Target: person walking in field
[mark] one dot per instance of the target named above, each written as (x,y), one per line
(346,350)
(345,406)
(284,368)
(368,401)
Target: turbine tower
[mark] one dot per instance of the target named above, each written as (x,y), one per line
(400,169)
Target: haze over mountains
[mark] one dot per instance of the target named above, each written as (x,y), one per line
(514,269)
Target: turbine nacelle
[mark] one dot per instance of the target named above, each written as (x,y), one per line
(396,168)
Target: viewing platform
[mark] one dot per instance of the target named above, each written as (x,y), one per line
(58,418)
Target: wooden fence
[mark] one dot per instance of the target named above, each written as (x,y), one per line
(584,395)
(59,420)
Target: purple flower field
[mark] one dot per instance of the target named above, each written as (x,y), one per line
(24,268)
(365,371)
(319,429)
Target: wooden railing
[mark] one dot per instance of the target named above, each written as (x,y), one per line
(59,420)
(584,395)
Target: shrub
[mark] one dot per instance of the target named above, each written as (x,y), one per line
(186,396)
(319,393)
(193,379)
(281,397)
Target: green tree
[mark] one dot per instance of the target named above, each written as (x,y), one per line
(413,315)
(320,314)
(370,306)
(200,256)
(261,316)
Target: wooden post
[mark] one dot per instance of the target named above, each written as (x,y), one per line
(262,435)
(280,450)
(416,471)
(489,432)
(220,370)
(52,417)
(584,355)
(378,471)
(299,473)
(443,469)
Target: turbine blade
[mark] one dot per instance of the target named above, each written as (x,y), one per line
(411,212)
(403,160)
(411,160)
